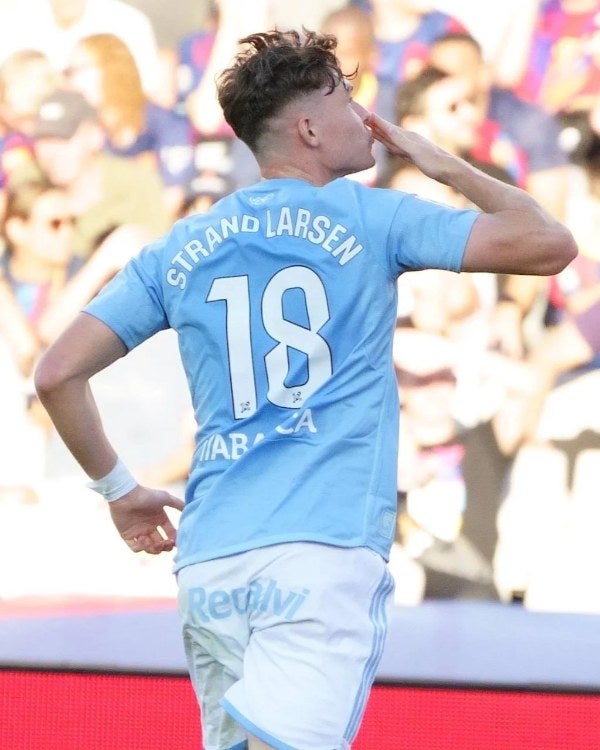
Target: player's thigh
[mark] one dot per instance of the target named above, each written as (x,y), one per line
(306,678)
(255,744)
(214,652)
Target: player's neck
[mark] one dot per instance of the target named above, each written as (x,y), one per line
(290,171)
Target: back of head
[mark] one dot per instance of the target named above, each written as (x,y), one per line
(276,68)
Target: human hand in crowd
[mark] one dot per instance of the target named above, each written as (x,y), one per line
(142,522)
(431,160)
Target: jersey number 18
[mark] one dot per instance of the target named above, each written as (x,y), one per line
(234,290)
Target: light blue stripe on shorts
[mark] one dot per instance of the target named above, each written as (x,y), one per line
(378,616)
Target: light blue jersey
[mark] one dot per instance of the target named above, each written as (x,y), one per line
(284,301)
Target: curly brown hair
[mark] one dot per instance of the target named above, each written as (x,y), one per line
(276,68)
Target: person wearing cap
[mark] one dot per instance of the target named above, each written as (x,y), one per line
(105,191)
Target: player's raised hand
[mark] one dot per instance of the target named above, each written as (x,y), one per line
(142,521)
(414,148)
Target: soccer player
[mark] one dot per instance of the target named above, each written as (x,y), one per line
(284,300)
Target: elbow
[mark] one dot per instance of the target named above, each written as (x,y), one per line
(48,376)
(561,250)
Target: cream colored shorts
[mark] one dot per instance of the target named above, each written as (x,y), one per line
(283,643)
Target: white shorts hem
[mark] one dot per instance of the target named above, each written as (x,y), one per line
(250,727)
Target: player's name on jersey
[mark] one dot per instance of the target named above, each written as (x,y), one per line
(233,445)
(320,230)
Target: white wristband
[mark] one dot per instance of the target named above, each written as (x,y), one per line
(118,482)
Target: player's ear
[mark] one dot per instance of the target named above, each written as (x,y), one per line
(307,131)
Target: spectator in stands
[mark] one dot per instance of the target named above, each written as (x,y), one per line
(105,191)
(432,300)
(440,107)
(55,26)
(583,212)
(528,127)
(499,30)
(47,282)
(43,285)
(405,30)
(557,67)
(533,133)
(25,78)
(103,69)
(202,56)
(451,474)
(203,192)
(38,258)
(547,550)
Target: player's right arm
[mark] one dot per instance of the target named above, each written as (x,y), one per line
(513,234)
(62,380)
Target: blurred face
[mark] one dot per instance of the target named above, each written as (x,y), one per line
(428,399)
(462,59)
(64,160)
(22,96)
(355,46)
(83,74)
(451,115)
(345,141)
(68,12)
(47,235)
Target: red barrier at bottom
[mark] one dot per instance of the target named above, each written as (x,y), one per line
(71,711)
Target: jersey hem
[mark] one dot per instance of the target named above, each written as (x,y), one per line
(382,550)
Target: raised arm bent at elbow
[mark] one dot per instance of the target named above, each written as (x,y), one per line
(513,235)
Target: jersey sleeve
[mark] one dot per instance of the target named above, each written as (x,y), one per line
(131,304)
(425,234)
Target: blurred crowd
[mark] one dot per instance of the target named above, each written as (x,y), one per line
(110,131)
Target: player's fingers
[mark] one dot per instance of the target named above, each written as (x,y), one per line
(156,543)
(174,502)
(168,530)
(136,543)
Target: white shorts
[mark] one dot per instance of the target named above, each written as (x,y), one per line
(283,643)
